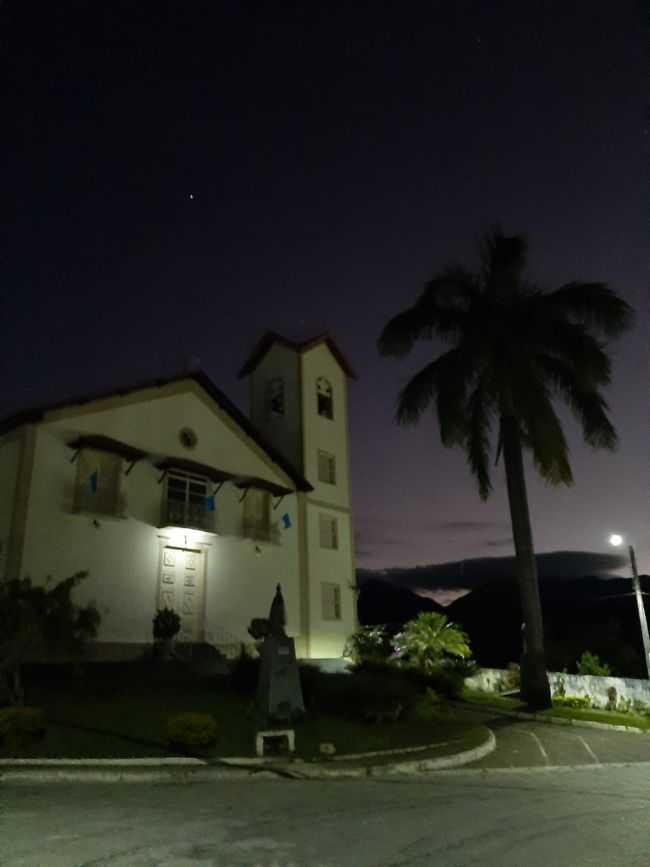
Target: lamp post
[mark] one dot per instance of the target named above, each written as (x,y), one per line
(616,539)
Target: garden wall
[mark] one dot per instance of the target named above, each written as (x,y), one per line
(628,689)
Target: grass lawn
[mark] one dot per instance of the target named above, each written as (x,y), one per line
(502,702)
(505,702)
(115,718)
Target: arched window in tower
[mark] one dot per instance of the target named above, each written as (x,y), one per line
(324,397)
(275,397)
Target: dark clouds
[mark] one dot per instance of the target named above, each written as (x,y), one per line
(375,536)
(499,543)
(467,574)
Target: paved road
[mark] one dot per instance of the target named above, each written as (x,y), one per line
(531,744)
(525,814)
(590,817)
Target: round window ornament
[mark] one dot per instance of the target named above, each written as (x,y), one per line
(188,438)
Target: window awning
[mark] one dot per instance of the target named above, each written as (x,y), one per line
(262,485)
(106,444)
(186,466)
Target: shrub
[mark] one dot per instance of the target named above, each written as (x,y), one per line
(579,701)
(428,640)
(166,624)
(611,698)
(244,673)
(368,644)
(447,680)
(191,730)
(361,693)
(310,680)
(19,726)
(21,719)
(427,706)
(589,663)
(38,622)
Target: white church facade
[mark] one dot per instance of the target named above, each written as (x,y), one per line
(167,495)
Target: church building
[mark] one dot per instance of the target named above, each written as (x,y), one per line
(166,494)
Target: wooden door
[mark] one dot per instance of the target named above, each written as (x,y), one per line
(181,588)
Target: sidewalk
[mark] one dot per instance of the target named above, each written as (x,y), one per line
(188,770)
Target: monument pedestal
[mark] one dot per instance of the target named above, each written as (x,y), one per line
(279,692)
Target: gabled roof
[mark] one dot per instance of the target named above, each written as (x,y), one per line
(36,414)
(269,338)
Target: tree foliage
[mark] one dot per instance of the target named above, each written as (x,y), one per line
(589,663)
(37,622)
(514,349)
(368,644)
(429,640)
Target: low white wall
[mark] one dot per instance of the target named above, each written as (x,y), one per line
(493,680)
(628,690)
(599,689)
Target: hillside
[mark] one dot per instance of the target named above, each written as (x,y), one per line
(381,602)
(589,613)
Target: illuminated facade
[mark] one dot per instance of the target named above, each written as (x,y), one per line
(167,495)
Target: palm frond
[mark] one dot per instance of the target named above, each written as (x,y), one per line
(440,310)
(595,305)
(586,403)
(503,259)
(572,343)
(479,413)
(401,332)
(446,379)
(542,430)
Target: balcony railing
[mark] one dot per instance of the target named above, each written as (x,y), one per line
(194,515)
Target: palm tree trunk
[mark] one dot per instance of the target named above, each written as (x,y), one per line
(535,684)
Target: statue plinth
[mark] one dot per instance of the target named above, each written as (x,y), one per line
(279,692)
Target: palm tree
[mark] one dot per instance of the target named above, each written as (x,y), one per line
(514,349)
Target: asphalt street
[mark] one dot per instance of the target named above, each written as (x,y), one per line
(550,803)
(534,744)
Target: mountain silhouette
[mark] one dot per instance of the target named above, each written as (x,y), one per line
(588,613)
(382,602)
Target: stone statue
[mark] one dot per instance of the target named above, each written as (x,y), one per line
(279,693)
(278,614)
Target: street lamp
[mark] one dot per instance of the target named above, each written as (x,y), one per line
(616,540)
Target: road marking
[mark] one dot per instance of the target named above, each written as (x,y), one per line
(540,745)
(593,755)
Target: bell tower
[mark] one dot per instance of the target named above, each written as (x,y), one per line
(299,402)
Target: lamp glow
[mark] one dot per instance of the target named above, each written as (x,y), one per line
(616,540)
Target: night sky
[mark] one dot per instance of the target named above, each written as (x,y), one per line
(178,177)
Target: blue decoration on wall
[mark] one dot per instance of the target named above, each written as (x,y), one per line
(92,481)
(286,520)
(209,504)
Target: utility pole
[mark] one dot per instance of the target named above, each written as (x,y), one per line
(642,618)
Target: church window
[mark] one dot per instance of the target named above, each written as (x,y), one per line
(326,468)
(324,397)
(331,600)
(329,537)
(275,397)
(99,482)
(257,515)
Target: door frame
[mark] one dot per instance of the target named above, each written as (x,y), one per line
(165,541)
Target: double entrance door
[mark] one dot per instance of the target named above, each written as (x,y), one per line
(182,580)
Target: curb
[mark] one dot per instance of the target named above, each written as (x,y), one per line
(188,770)
(454,760)
(549,720)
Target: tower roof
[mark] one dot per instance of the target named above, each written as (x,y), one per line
(270,338)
